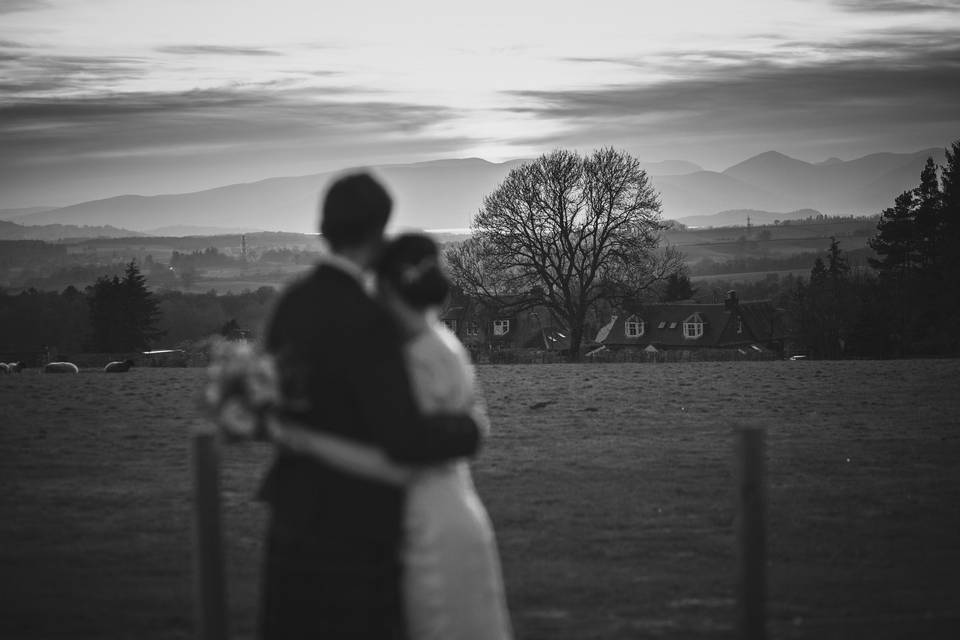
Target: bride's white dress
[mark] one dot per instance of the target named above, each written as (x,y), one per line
(453,587)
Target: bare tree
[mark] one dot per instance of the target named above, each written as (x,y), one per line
(566,231)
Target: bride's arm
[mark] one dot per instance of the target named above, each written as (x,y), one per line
(341,453)
(478,411)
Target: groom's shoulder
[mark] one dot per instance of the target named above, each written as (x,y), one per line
(322,282)
(327,294)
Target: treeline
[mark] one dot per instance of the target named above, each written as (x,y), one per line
(907,303)
(753,264)
(47,266)
(822,218)
(118,313)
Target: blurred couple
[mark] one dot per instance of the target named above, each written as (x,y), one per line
(376,531)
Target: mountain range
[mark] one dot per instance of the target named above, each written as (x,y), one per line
(445,194)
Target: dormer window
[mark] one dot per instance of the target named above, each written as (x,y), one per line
(501,327)
(633,327)
(693,327)
(473,328)
(451,324)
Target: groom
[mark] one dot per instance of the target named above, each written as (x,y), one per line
(333,545)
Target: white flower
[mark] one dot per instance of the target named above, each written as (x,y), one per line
(241,386)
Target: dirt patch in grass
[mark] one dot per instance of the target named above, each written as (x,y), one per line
(610,487)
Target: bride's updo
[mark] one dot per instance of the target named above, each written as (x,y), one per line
(410,264)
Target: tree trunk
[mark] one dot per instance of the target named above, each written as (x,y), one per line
(576,337)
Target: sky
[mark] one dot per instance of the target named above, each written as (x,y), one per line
(107,97)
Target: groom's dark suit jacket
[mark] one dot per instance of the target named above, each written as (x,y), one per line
(340,351)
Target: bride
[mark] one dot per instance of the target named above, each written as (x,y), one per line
(453,589)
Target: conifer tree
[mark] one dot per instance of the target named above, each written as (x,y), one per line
(895,241)
(123,312)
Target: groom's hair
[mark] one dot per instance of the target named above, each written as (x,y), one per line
(355,211)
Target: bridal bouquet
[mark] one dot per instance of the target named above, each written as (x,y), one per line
(242,385)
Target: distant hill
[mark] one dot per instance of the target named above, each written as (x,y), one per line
(738,217)
(434,195)
(13,214)
(54,232)
(706,192)
(446,194)
(670,167)
(772,181)
(859,187)
(180,231)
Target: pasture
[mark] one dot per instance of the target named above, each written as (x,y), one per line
(610,487)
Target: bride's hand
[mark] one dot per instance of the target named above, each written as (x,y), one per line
(276,432)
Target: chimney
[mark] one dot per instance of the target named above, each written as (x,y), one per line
(730,302)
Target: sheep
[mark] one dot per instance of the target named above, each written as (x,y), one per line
(118,367)
(4,368)
(60,367)
(16,367)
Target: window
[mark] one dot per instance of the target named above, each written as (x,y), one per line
(633,327)
(693,327)
(473,328)
(673,325)
(662,324)
(739,326)
(501,327)
(451,324)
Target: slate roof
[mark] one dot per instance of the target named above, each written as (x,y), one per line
(533,328)
(663,325)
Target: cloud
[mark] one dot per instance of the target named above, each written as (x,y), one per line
(29,71)
(201,49)
(52,129)
(898,6)
(69,150)
(675,58)
(14,6)
(838,90)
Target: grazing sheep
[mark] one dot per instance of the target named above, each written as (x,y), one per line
(4,368)
(118,367)
(16,367)
(61,367)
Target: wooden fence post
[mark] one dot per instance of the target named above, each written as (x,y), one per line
(210,581)
(751,534)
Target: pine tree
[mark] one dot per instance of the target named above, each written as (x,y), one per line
(827,311)
(918,258)
(838,266)
(123,312)
(895,241)
(818,274)
(927,217)
(948,251)
(948,247)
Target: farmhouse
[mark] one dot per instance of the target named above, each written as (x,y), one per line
(484,327)
(688,326)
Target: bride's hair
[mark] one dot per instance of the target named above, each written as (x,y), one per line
(410,264)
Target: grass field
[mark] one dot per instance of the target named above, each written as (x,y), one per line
(610,487)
